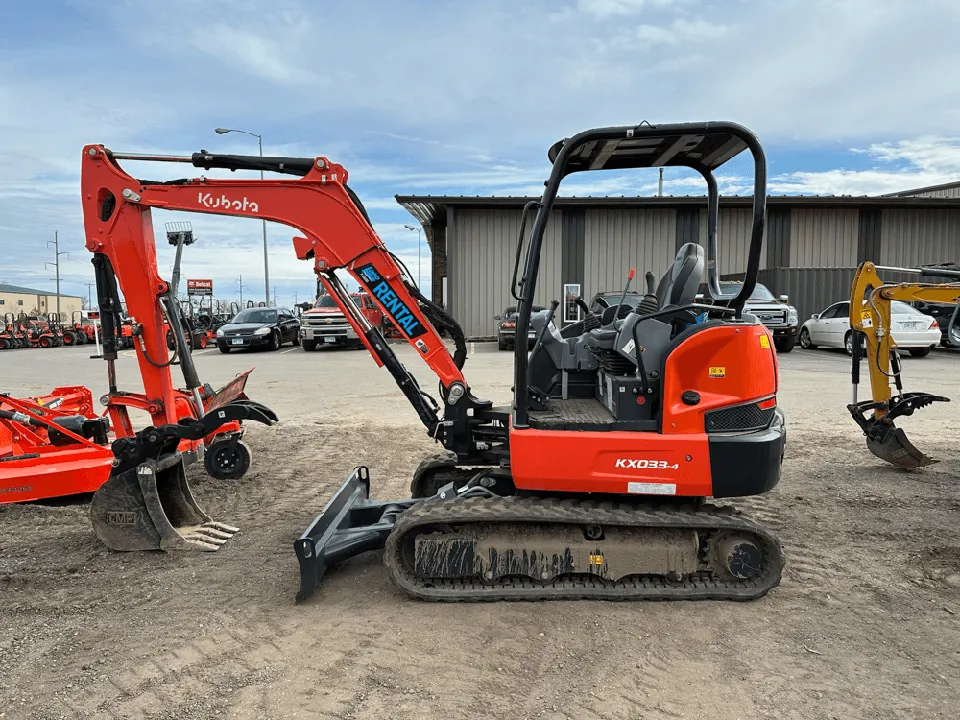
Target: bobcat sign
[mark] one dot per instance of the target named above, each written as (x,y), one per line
(199,287)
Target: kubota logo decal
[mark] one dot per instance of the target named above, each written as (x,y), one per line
(209,201)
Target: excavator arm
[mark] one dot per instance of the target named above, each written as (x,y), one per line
(870,316)
(335,232)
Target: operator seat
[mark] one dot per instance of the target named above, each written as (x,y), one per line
(678,287)
(680,283)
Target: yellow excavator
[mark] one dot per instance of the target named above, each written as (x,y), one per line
(873,341)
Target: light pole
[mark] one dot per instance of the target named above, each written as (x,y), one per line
(266,268)
(411,227)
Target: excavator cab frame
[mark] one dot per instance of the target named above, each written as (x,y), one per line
(702,147)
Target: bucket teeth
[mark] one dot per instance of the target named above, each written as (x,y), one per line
(214,533)
(222,526)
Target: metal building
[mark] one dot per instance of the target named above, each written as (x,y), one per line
(15,299)
(593,242)
(947,190)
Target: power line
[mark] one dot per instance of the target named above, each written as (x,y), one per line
(56,249)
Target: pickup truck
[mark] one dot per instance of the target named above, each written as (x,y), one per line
(779,317)
(324,324)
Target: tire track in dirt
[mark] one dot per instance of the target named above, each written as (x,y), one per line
(248,578)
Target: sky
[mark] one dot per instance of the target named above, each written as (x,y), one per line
(429,97)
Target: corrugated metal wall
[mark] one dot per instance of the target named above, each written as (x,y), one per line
(481,246)
(733,237)
(824,238)
(913,237)
(617,240)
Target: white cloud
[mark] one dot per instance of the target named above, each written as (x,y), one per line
(606,8)
(898,166)
(461,98)
(258,55)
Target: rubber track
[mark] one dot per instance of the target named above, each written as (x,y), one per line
(523,510)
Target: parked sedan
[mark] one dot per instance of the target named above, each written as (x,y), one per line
(912,330)
(259,327)
(506,329)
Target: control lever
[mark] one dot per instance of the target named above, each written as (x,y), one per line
(651,283)
(630,275)
(543,331)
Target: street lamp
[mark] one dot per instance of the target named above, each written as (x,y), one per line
(411,227)
(266,268)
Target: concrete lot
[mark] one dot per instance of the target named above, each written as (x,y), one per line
(866,623)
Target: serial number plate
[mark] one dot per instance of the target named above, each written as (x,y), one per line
(652,488)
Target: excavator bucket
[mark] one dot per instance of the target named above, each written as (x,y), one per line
(147,504)
(886,440)
(892,445)
(151,507)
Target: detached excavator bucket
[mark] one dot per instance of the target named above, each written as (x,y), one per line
(890,443)
(150,507)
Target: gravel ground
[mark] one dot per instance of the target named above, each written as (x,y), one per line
(866,623)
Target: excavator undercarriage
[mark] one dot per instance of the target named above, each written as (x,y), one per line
(474,545)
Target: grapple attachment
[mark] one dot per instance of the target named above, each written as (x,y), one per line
(147,504)
(886,440)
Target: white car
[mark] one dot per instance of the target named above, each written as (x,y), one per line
(912,330)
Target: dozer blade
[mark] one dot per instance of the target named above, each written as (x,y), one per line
(150,507)
(892,445)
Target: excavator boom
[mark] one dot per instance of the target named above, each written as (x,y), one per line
(335,234)
(870,317)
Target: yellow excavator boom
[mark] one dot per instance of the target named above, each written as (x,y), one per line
(870,310)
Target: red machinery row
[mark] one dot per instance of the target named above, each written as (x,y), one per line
(47,331)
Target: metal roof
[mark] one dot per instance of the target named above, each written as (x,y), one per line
(20,290)
(928,188)
(430,208)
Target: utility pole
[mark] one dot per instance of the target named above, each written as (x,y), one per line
(56,264)
(241,291)
(89,295)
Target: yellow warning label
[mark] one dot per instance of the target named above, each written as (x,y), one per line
(764,341)
(596,559)
(718,372)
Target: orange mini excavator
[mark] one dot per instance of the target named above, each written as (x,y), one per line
(593,482)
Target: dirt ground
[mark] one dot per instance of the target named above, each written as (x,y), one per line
(866,623)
